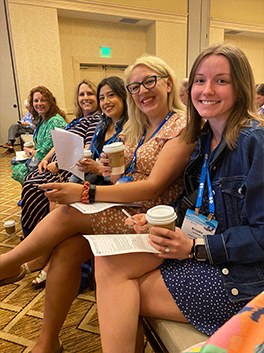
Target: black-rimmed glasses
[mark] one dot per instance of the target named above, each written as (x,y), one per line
(148,83)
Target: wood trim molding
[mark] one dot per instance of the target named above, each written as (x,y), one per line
(237,26)
(107,9)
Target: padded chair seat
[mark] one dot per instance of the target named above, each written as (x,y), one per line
(170,336)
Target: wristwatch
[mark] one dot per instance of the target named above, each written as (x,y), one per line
(30,153)
(200,253)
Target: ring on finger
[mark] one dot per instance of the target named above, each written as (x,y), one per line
(56,201)
(167,250)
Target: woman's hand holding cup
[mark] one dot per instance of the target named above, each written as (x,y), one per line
(105,167)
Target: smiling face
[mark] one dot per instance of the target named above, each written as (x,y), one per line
(40,104)
(212,92)
(87,99)
(152,102)
(111,104)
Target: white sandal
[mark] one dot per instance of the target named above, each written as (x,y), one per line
(27,268)
(40,280)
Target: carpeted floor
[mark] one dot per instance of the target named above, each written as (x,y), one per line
(21,306)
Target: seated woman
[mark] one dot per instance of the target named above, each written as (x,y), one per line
(35,205)
(205,280)
(46,116)
(155,161)
(111,94)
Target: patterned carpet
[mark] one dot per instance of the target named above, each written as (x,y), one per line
(21,306)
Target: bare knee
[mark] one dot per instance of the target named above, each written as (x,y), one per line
(74,250)
(124,267)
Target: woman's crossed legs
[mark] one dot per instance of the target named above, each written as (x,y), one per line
(130,285)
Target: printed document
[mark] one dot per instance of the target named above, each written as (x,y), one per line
(95,207)
(69,149)
(113,244)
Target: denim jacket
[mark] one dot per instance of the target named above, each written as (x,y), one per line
(237,179)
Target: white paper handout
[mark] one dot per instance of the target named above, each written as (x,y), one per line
(113,244)
(21,156)
(69,149)
(99,206)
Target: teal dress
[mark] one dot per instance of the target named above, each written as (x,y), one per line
(43,144)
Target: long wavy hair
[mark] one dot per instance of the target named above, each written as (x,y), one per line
(137,122)
(242,81)
(53,110)
(93,86)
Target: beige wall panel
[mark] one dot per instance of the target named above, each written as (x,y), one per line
(82,38)
(216,35)
(171,46)
(253,47)
(37,49)
(164,5)
(151,39)
(239,10)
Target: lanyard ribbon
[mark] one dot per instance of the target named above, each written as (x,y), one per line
(36,130)
(112,138)
(204,174)
(132,166)
(73,123)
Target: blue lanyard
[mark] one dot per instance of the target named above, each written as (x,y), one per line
(36,130)
(73,123)
(204,174)
(132,166)
(112,138)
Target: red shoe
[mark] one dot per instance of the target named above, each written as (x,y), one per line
(8,145)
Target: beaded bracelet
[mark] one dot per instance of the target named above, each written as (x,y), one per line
(192,250)
(88,194)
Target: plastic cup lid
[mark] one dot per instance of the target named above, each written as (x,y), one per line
(9,223)
(161,214)
(87,153)
(28,144)
(114,147)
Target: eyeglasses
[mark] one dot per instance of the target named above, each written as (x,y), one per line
(148,83)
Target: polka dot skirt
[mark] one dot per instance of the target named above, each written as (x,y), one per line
(198,290)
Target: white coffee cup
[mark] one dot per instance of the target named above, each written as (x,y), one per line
(29,144)
(115,154)
(87,153)
(161,216)
(10,227)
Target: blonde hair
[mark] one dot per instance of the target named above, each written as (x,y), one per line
(243,84)
(137,121)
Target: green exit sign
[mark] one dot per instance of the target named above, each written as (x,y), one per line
(105,52)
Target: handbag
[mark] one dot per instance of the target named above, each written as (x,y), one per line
(32,163)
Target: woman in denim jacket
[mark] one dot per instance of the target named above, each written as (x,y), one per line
(207,280)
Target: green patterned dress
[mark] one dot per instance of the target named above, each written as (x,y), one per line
(43,143)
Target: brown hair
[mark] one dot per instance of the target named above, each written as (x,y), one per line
(242,81)
(260,89)
(53,110)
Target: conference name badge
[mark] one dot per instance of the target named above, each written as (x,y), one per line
(195,226)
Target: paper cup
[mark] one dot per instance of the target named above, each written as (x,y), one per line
(10,227)
(161,216)
(115,153)
(29,144)
(87,153)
